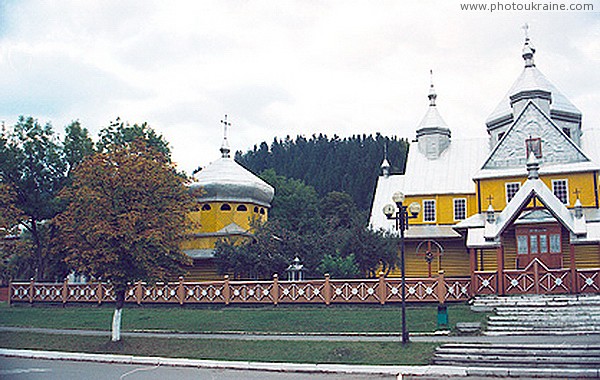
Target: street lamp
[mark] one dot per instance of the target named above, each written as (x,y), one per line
(401,216)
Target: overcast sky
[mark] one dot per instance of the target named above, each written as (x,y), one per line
(280,68)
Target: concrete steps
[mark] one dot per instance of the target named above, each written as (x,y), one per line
(581,357)
(541,314)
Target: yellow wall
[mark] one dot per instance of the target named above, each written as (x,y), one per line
(454,260)
(213,220)
(444,207)
(495,187)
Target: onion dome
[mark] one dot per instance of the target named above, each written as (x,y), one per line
(532,80)
(224,180)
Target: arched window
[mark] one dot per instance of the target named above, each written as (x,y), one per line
(255,209)
(242,208)
(262,211)
(225,207)
(206,207)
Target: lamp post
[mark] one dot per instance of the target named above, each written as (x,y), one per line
(400,215)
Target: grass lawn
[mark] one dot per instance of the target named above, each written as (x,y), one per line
(420,318)
(385,353)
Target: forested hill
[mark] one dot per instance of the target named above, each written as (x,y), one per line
(328,164)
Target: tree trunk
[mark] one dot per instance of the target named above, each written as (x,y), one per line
(116,323)
(39,264)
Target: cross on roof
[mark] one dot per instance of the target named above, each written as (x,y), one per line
(225,125)
(490,199)
(577,192)
(225,147)
(525,28)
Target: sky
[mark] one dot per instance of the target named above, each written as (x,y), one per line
(279,67)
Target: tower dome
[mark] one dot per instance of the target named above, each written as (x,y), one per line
(224,180)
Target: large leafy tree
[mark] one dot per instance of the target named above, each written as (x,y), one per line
(126,217)
(33,166)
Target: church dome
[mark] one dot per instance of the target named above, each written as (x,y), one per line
(224,180)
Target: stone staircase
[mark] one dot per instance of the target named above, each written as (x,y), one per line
(531,316)
(522,360)
(541,314)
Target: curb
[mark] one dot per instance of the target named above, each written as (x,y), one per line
(398,371)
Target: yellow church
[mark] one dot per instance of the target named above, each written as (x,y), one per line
(229,198)
(518,211)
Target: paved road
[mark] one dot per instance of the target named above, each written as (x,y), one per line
(34,369)
(506,339)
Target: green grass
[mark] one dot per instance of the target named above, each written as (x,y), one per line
(420,318)
(384,353)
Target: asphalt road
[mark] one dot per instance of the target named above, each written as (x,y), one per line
(30,369)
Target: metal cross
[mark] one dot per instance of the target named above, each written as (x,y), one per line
(525,28)
(490,199)
(577,192)
(225,125)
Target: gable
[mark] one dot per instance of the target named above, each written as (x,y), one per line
(556,147)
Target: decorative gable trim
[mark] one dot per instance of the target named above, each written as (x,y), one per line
(511,151)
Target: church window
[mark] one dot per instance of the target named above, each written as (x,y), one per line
(206,207)
(534,240)
(567,131)
(242,208)
(522,247)
(262,211)
(460,208)
(429,210)
(511,189)
(560,188)
(555,243)
(225,207)
(534,145)
(255,209)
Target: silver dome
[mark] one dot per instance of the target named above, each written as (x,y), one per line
(224,180)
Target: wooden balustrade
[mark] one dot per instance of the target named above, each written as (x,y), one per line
(533,279)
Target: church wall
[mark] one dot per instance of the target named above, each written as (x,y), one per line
(444,204)
(496,187)
(454,261)
(490,260)
(587,256)
(210,217)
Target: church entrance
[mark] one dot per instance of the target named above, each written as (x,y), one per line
(540,241)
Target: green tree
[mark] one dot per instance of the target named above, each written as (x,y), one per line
(32,164)
(119,133)
(126,218)
(77,144)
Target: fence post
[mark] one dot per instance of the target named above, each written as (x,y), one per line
(275,289)
(441,287)
(226,290)
(536,276)
(181,291)
(100,293)
(31,291)
(382,288)
(65,292)
(10,291)
(138,292)
(573,267)
(473,262)
(500,264)
(327,290)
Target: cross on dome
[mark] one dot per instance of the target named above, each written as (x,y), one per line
(528,48)
(432,94)
(225,146)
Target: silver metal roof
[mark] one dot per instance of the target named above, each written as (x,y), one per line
(532,79)
(224,180)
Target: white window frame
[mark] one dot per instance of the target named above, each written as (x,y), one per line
(566,181)
(506,190)
(455,200)
(434,210)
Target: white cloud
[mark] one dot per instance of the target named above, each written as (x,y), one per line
(279,67)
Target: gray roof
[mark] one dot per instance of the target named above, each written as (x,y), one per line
(532,79)
(224,180)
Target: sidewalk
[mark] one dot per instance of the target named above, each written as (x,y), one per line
(345,337)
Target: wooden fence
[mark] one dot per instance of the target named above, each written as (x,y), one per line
(535,279)
(324,291)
